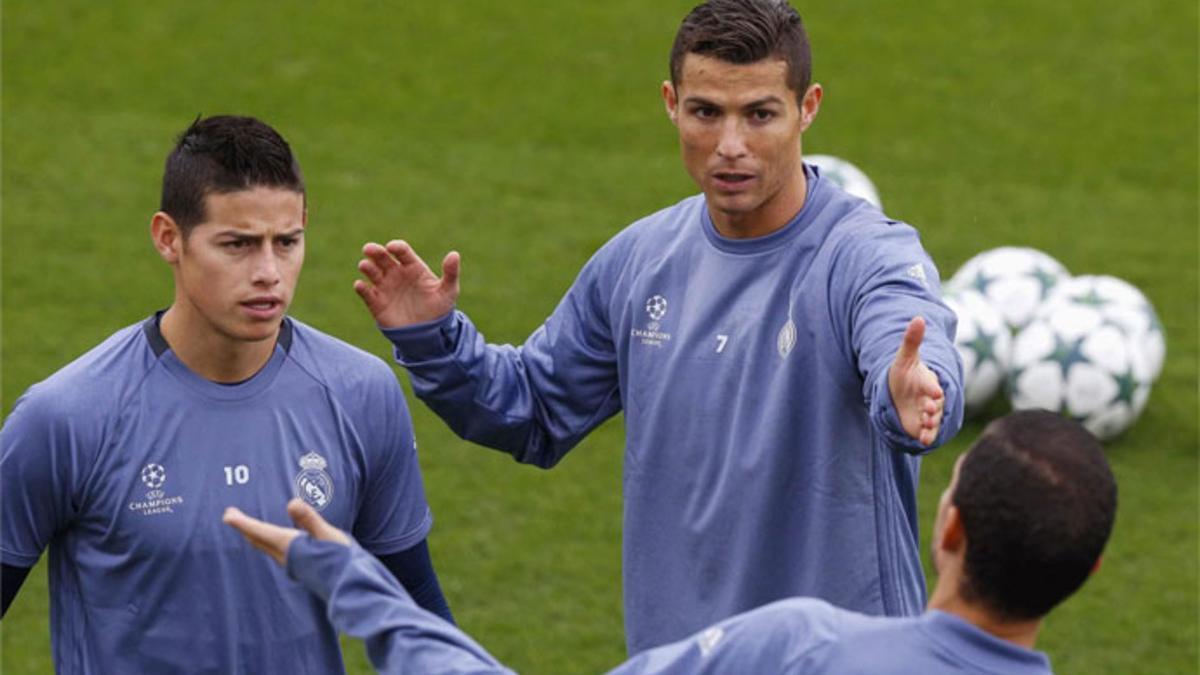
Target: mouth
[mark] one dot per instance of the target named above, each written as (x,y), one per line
(732,181)
(263,307)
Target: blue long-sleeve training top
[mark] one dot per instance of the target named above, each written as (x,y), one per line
(764,458)
(797,635)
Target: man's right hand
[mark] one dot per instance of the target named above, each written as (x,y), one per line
(400,289)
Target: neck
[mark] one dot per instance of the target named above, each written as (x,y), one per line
(210,354)
(771,216)
(1021,633)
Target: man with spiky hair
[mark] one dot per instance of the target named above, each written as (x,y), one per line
(121,462)
(1021,526)
(779,349)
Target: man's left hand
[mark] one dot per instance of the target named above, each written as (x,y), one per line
(275,540)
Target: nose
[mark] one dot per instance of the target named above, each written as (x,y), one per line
(731,144)
(266,269)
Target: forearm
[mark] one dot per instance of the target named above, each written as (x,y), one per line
(534,402)
(413,568)
(11,579)
(366,602)
(881,318)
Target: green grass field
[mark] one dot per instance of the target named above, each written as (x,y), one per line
(525,134)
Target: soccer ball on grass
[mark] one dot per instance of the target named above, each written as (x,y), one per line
(1014,280)
(847,176)
(1120,302)
(984,343)
(1078,363)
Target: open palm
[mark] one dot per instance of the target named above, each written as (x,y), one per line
(915,389)
(400,289)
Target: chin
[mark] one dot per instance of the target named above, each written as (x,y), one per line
(735,206)
(257,332)
(737,202)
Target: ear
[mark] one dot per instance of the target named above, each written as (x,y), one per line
(954,537)
(810,105)
(671,101)
(167,237)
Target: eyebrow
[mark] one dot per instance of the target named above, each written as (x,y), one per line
(238,234)
(757,103)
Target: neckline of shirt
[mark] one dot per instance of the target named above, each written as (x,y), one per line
(980,647)
(236,391)
(814,201)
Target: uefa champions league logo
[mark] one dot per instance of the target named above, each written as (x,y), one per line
(313,485)
(154,476)
(656,307)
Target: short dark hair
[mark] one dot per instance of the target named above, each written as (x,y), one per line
(746,31)
(220,154)
(1037,501)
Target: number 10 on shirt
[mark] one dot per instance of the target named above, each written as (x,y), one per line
(239,475)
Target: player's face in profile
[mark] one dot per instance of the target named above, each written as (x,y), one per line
(739,132)
(238,269)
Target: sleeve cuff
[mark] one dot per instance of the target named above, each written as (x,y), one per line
(887,420)
(14,559)
(424,341)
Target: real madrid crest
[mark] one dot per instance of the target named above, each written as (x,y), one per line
(313,485)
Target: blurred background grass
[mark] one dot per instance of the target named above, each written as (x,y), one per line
(524,134)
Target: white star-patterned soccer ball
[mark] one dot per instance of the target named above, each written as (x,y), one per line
(1121,302)
(154,475)
(1014,280)
(1076,362)
(984,343)
(847,176)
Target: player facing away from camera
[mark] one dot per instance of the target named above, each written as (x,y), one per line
(778,347)
(121,462)
(1019,529)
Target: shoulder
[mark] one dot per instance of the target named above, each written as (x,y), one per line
(75,409)
(887,645)
(647,239)
(667,221)
(861,229)
(653,231)
(815,617)
(95,383)
(335,363)
(791,631)
(865,243)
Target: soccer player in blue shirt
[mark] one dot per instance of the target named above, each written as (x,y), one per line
(1021,526)
(121,462)
(778,347)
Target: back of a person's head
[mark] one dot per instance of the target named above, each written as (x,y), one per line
(745,31)
(223,154)
(1037,501)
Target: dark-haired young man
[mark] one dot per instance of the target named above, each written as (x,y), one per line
(121,462)
(778,347)
(1019,529)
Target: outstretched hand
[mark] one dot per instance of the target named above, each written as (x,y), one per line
(275,540)
(915,389)
(400,289)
